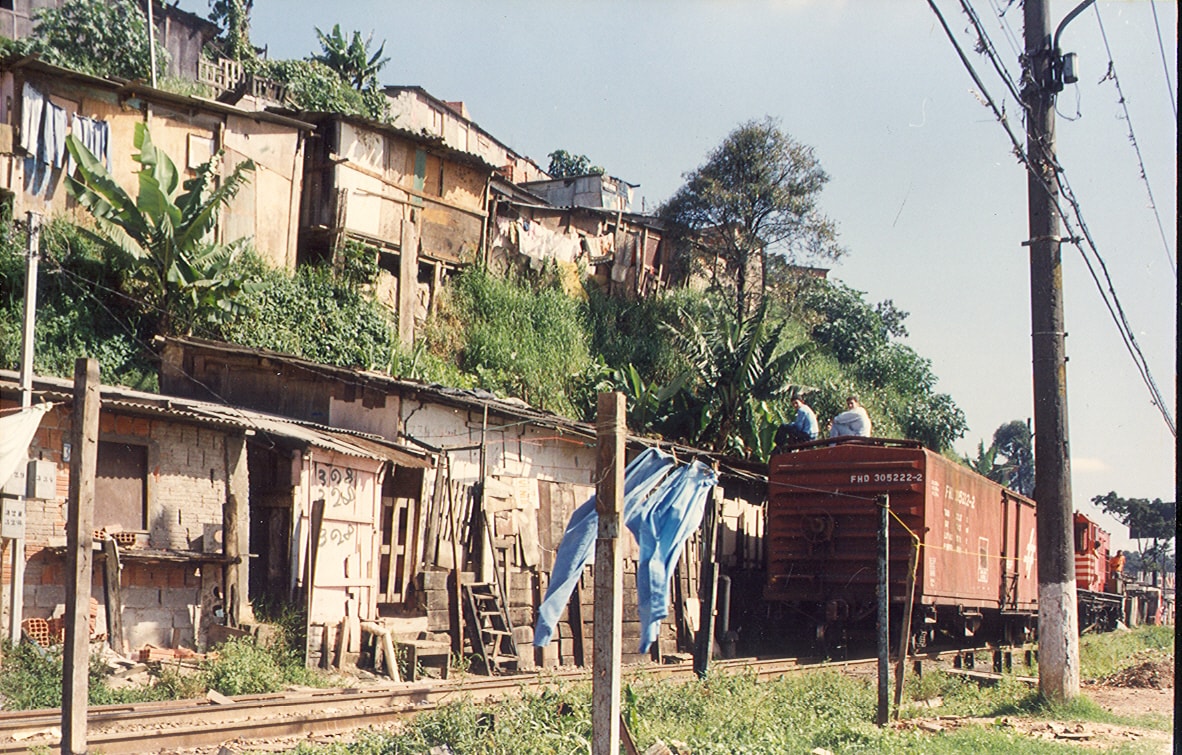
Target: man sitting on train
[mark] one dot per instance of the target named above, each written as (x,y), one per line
(802,428)
(853,421)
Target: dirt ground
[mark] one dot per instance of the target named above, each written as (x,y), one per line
(1145,689)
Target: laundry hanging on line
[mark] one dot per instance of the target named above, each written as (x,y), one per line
(662,506)
(44,126)
(16,433)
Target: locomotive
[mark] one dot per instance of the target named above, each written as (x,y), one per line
(962,548)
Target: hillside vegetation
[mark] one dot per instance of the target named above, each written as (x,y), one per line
(682,359)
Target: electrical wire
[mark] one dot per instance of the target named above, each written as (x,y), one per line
(1113,304)
(1006,30)
(87,290)
(985,46)
(1165,65)
(1111,75)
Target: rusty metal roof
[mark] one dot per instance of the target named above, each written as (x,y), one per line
(281,430)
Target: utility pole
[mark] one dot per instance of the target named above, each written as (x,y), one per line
(17,588)
(79,545)
(1058,620)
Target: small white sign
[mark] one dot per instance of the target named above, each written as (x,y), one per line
(12,520)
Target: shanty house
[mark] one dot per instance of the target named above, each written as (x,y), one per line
(415,109)
(183,35)
(505,482)
(41,104)
(579,222)
(417,204)
(213,509)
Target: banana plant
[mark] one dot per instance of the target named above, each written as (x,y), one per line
(160,240)
(739,371)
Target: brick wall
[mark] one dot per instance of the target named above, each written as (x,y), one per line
(186,490)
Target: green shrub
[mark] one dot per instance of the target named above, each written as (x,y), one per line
(79,312)
(311,314)
(243,667)
(522,342)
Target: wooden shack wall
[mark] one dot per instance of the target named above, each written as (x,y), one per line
(264,209)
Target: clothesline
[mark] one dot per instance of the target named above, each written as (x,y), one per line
(663,504)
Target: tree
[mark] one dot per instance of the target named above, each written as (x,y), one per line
(563,164)
(158,239)
(755,195)
(1009,459)
(1014,444)
(739,375)
(99,37)
(861,337)
(233,17)
(351,59)
(1147,520)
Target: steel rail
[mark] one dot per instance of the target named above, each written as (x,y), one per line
(155,726)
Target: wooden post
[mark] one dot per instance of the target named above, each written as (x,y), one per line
(574,611)
(236,534)
(609,576)
(884,599)
(32,250)
(707,587)
(114,595)
(905,632)
(408,282)
(457,566)
(316,522)
(79,542)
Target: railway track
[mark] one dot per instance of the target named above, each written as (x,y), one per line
(152,727)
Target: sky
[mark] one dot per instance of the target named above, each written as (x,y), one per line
(928,197)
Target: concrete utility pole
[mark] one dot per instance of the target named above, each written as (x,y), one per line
(609,575)
(32,255)
(1058,621)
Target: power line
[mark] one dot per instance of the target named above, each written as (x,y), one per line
(1165,66)
(1111,74)
(1113,304)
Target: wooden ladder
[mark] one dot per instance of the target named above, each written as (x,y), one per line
(489,628)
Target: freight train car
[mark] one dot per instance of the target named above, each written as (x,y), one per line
(977,571)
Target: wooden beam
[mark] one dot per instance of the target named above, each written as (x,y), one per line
(609,576)
(79,543)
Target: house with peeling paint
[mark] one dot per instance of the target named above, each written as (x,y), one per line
(494,504)
(40,104)
(623,253)
(202,510)
(411,201)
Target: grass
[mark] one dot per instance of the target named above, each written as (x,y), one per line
(31,676)
(1102,655)
(795,713)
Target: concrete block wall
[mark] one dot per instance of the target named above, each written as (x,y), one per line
(188,486)
(161,601)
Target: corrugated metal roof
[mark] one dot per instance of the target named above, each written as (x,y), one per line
(283,429)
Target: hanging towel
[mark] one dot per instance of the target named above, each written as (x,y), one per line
(32,106)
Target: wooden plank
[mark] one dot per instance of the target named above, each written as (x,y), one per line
(578,631)
(114,596)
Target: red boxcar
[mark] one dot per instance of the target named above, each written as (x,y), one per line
(978,568)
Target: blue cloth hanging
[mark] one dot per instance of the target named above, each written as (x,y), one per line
(661,509)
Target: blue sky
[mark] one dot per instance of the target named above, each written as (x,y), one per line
(930,202)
